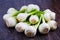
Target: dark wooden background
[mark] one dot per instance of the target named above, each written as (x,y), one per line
(12,34)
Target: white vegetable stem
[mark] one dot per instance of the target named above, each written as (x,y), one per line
(32,30)
(44,27)
(33,19)
(23,16)
(52,24)
(48,15)
(11,22)
(11,11)
(6,16)
(20,27)
(24,8)
(32,7)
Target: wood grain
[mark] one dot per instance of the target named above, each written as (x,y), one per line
(12,34)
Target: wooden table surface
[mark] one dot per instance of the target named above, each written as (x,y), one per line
(12,34)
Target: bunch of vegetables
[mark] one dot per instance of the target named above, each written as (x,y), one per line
(30,19)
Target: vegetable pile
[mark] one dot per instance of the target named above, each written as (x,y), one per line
(30,19)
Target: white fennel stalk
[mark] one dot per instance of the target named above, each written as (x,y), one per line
(6,16)
(11,11)
(24,8)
